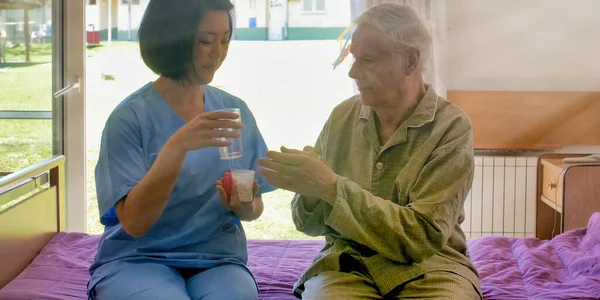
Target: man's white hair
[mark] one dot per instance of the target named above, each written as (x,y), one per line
(402,27)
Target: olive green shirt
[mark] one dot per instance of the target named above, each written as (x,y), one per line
(399,206)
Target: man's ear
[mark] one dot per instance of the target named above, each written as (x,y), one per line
(413,59)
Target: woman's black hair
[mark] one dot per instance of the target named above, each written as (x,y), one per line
(168,32)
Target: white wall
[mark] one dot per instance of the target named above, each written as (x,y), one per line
(523,45)
(243,12)
(137,12)
(92,16)
(436,74)
(337,14)
(98,14)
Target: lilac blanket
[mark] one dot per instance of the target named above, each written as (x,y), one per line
(60,271)
(566,267)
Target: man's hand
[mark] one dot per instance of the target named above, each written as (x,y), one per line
(303,172)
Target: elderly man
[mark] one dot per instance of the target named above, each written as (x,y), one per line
(387,179)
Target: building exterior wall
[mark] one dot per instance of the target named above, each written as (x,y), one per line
(318,25)
(97,18)
(302,25)
(251,19)
(137,12)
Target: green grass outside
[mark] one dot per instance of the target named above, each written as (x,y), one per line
(27,86)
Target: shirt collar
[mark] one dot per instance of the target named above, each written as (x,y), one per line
(423,113)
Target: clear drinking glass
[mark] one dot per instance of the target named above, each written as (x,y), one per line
(234,150)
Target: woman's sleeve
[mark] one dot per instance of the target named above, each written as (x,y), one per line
(121,164)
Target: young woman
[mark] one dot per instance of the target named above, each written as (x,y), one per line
(171,230)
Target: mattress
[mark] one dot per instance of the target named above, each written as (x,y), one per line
(60,271)
(566,267)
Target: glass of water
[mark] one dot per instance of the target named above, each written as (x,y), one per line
(234,150)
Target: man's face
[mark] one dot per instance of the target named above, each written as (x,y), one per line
(379,75)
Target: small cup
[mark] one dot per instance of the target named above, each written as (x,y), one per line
(243,180)
(234,150)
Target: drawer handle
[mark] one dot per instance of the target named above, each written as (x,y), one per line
(551,185)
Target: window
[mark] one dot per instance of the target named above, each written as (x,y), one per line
(252,5)
(313,5)
(92,2)
(134,2)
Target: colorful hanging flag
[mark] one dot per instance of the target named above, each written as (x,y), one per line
(345,48)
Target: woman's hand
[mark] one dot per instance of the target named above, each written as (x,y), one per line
(204,130)
(243,210)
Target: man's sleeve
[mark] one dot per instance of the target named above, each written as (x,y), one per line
(414,232)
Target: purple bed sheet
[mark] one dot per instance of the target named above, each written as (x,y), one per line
(566,267)
(60,271)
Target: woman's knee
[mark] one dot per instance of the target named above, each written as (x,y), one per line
(228,281)
(233,292)
(141,281)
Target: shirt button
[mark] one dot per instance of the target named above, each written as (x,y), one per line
(379,166)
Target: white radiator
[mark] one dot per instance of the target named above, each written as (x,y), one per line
(503,197)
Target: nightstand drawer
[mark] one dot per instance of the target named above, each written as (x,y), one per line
(551,183)
(554,205)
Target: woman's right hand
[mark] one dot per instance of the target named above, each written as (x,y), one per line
(203,131)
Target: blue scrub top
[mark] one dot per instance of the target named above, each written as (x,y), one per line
(195,230)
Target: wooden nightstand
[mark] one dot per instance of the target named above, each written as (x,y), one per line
(567,194)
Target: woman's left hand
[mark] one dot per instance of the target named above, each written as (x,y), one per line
(232,202)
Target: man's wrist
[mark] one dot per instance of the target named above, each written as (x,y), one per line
(330,193)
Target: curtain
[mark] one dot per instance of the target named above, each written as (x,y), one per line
(434,14)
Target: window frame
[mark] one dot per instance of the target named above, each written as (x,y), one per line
(314,7)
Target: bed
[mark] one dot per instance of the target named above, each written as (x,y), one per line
(38,260)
